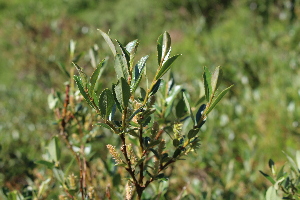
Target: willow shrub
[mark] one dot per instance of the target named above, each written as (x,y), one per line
(152,120)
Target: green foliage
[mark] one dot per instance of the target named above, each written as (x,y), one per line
(255,42)
(285,182)
(146,148)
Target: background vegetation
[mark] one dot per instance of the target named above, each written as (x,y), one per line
(257,42)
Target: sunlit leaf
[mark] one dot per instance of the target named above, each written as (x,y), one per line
(207,84)
(121,67)
(216,101)
(122,91)
(106,103)
(108,41)
(95,76)
(166,66)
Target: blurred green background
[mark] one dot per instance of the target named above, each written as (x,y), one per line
(257,43)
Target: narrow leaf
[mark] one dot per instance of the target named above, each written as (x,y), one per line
(207,83)
(216,79)
(163,47)
(155,87)
(95,76)
(83,76)
(268,177)
(106,103)
(49,165)
(122,91)
(125,54)
(62,67)
(121,66)
(298,159)
(131,47)
(82,91)
(105,126)
(166,66)
(109,42)
(54,150)
(187,104)
(200,112)
(192,133)
(292,162)
(138,72)
(219,97)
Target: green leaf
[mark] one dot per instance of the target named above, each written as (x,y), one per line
(220,96)
(122,91)
(83,76)
(177,152)
(118,105)
(166,66)
(125,54)
(280,173)
(298,159)
(138,72)
(104,126)
(163,47)
(106,103)
(268,177)
(82,91)
(109,42)
(62,67)
(48,164)
(187,104)
(192,133)
(271,194)
(207,83)
(54,150)
(131,47)
(155,87)
(121,67)
(292,162)
(216,79)
(95,76)
(59,175)
(180,108)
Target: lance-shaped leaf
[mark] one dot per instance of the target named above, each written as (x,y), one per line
(54,150)
(105,126)
(138,72)
(95,76)
(163,47)
(155,87)
(109,42)
(125,54)
(216,79)
(207,83)
(268,177)
(83,76)
(200,112)
(106,103)
(219,97)
(62,67)
(121,66)
(187,104)
(166,66)
(122,91)
(192,133)
(131,47)
(82,91)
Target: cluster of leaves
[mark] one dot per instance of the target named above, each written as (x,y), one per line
(285,183)
(138,119)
